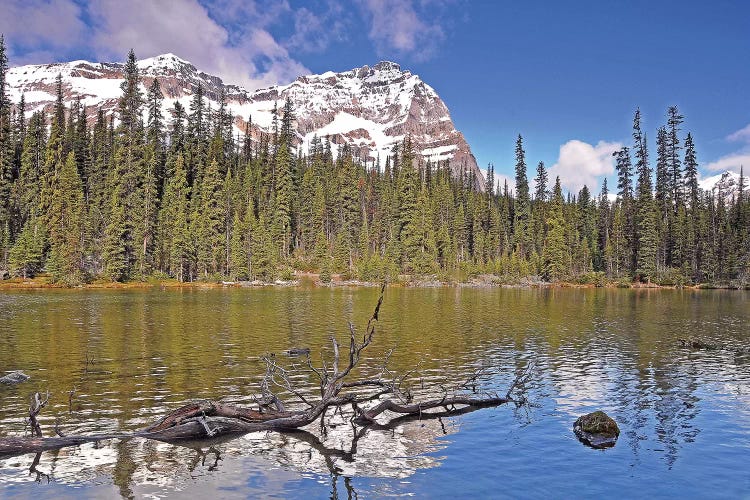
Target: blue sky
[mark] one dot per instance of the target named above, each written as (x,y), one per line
(566,75)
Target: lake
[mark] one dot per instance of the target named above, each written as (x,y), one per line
(120,359)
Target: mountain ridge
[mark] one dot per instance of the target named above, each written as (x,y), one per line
(370,108)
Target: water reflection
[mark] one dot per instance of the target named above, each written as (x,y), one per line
(117,360)
(136,466)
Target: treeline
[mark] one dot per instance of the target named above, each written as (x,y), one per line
(184,197)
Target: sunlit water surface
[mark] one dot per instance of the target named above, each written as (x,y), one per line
(118,360)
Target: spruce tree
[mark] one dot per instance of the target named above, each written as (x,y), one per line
(674,120)
(691,172)
(408,191)
(126,230)
(556,249)
(7,152)
(209,224)
(282,201)
(65,224)
(522,206)
(644,185)
(27,254)
(541,183)
(648,240)
(174,224)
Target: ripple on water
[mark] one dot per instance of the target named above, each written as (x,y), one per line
(129,357)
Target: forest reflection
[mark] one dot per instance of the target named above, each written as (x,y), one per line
(118,360)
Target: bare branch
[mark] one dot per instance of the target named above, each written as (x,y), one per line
(214,419)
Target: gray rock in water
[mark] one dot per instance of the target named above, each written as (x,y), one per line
(15,377)
(4,274)
(597,430)
(298,351)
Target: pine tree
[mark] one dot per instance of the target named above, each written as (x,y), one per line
(131,100)
(691,172)
(32,167)
(239,249)
(263,259)
(663,192)
(603,227)
(541,183)
(208,223)
(7,152)
(644,185)
(522,206)
(28,251)
(648,240)
(126,229)
(556,250)
(65,223)
(674,120)
(408,192)
(174,224)
(282,206)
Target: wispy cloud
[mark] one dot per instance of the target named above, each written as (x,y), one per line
(254,43)
(41,30)
(731,162)
(736,159)
(405,27)
(246,54)
(581,163)
(315,31)
(742,135)
(230,38)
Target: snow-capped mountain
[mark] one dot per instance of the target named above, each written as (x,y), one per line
(724,184)
(370,108)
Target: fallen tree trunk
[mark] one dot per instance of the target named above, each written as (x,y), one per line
(211,419)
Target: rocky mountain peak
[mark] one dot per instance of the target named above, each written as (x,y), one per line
(371,108)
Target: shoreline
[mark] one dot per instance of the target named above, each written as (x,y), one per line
(307,279)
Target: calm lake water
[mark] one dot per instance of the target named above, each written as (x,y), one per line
(120,359)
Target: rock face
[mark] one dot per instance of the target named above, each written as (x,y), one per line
(369,108)
(597,430)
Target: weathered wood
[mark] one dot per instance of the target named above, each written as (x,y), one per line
(211,419)
(449,404)
(10,446)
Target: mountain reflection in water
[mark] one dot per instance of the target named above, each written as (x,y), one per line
(143,467)
(118,360)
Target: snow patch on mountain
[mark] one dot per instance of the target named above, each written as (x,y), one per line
(371,109)
(726,183)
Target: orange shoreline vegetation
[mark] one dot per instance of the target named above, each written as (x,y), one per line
(307,279)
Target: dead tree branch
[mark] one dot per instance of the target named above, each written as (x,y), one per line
(214,420)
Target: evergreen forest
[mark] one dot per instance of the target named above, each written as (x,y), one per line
(140,195)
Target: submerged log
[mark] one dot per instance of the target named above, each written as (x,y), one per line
(211,419)
(698,344)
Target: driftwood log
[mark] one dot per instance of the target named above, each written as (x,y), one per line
(212,419)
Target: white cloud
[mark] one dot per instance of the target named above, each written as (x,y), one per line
(742,135)
(582,164)
(501,179)
(249,55)
(230,38)
(44,29)
(397,28)
(731,162)
(314,32)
